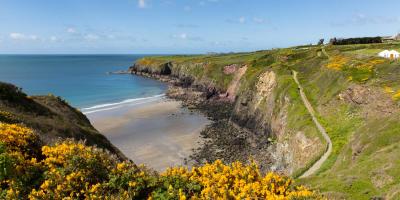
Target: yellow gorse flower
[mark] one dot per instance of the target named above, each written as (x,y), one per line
(15,135)
(238,181)
(73,170)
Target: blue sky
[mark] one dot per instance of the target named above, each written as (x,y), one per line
(185,26)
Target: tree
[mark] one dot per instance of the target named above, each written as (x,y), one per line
(333,41)
(321,42)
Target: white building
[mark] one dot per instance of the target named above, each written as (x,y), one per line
(390,54)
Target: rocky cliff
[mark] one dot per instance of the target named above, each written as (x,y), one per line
(256,101)
(259,113)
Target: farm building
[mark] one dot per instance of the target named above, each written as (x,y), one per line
(389,54)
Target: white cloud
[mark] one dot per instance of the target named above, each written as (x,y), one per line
(71,30)
(91,37)
(186,25)
(246,20)
(203,3)
(363,19)
(242,20)
(142,3)
(21,36)
(182,36)
(53,38)
(258,20)
(220,43)
(17,36)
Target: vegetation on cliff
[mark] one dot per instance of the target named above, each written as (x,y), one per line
(354,92)
(51,117)
(71,170)
(355,95)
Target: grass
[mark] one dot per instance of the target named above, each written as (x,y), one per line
(362,147)
(339,130)
(354,176)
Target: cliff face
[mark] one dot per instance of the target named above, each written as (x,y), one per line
(355,95)
(259,102)
(51,117)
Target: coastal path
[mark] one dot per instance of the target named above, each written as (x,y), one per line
(314,168)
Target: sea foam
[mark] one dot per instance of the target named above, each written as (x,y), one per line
(127,102)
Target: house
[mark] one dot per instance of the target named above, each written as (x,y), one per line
(393,38)
(389,54)
(396,37)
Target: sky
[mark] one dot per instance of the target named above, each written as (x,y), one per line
(185,26)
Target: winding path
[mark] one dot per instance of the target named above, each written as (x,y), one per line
(321,129)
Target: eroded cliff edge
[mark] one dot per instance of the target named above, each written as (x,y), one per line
(251,102)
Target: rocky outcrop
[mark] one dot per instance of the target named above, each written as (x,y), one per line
(372,101)
(238,72)
(253,108)
(247,111)
(249,121)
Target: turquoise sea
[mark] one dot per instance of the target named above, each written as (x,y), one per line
(82,80)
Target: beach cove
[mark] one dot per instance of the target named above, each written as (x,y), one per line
(159,133)
(131,111)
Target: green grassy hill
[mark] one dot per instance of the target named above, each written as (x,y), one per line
(355,94)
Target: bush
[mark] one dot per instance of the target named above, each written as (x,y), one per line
(72,170)
(8,117)
(236,181)
(20,169)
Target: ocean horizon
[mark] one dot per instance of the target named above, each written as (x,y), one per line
(83,80)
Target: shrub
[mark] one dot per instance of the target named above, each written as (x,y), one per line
(21,171)
(7,117)
(72,170)
(237,181)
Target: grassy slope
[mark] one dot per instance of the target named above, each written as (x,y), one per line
(51,116)
(323,77)
(360,166)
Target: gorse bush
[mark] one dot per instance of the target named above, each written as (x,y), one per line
(72,170)
(359,70)
(7,117)
(235,181)
(19,153)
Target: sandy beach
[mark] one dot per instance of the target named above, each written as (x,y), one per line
(158,134)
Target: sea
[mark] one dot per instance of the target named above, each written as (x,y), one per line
(84,81)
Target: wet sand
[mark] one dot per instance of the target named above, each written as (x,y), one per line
(158,134)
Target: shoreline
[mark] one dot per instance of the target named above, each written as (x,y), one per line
(159,133)
(224,138)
